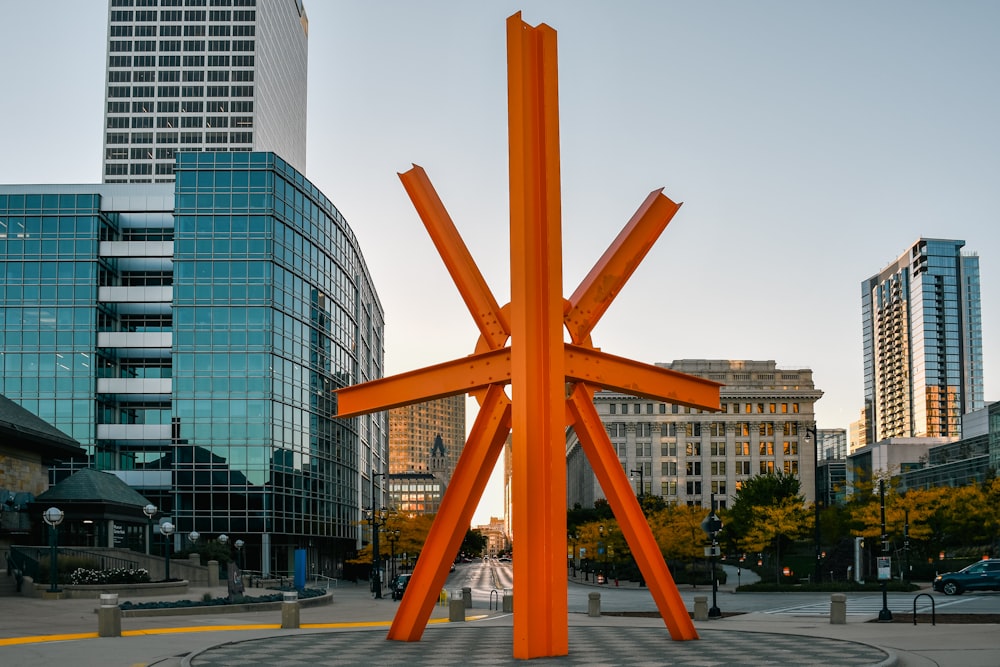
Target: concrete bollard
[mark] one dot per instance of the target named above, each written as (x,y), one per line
(213,573)
(467,597)
(701,607)
(838,609)
(289,610)
(593,604)
(109,616)
(508,600)
(456,606)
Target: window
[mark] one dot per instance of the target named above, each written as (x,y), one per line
(767,449)
(718,449)
(668,468)
(612,409)
(772,408)
(616,430)
(642,430)
(668,488)
(194,75)
(692,468)
(742,467)
(791,448)
(693,448)
(766,428)
(767,467)
(668,449)
(718,429)
(694,488)
(791,467)
(718,468)
(743,429)
(642,449)
(719,488)
(791,428)
(795,408)
(668,430)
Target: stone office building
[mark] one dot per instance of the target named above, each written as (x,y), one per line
(698,457)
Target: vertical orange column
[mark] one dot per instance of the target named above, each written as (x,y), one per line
(536,342)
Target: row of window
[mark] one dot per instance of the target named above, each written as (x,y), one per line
(189,30)
(146,138)
(117,92)
(185,107)
(764,448)
(729,408)
(697,429)
(183,3)
(187,16)
(170,122)
(119,61)
(168,75)
(177,45)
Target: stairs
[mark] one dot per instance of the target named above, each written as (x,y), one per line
(8,587)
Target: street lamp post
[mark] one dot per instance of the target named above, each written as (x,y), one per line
(194,535)
(167,530)
(602,546)
(642,482)
(376,522)
(53,516)
(150,511)
(816,503)
(392,536)
(573,537)
(239,552)
(884,614)
(712,525)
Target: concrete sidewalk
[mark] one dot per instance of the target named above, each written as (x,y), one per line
(352,630)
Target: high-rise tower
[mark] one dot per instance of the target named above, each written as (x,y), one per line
(923,348)
(202,75)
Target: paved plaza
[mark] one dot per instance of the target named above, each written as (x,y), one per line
(352,630)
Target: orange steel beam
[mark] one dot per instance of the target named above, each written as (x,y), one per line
(492,322)
(604,460)
(632,377)
(447,379)
(616,265)
(485,442)
(538,384)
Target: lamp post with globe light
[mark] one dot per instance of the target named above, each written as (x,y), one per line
(53,516)
(150,511)
(167,529)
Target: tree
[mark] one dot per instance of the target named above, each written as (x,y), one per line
(785,521)
(756,493)
(474,543)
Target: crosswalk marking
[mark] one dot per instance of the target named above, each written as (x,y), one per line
(866,606)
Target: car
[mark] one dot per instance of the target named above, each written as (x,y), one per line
(398,586)
(983,575)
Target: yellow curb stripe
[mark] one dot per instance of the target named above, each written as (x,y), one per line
(13,641)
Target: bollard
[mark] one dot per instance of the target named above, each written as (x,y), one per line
(213,573)
(456,606)
(594,604)
(701,608)
(109,616)
(289,610)
(467,597)
(838,609)
(508,600)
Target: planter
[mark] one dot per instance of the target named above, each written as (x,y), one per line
(225,608)
(93,592)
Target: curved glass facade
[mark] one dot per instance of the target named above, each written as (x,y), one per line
(215,317)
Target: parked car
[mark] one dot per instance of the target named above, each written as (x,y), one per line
(983,575)
(399,586)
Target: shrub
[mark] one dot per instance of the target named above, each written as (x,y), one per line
(118,575)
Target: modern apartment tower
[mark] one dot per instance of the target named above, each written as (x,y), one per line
(189,335)
(204,76)
(923,347)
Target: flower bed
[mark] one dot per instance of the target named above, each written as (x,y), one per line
(118,575)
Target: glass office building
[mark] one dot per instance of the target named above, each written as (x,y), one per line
(189,336)
(923,347)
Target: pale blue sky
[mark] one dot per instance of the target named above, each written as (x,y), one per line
(811,144)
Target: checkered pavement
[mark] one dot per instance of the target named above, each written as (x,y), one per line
(588,646)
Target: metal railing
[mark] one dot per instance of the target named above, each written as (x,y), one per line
(327,580)
(25,560)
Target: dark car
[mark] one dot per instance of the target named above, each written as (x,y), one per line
(982,575)
(398,586)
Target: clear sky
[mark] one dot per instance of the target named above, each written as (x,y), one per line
(811,143)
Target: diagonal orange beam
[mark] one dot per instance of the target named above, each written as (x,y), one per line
(604,460)
(475,464)
(490,319)
(595,294)
(588,365)
(447,379)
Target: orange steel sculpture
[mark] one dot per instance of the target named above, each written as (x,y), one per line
(552,382)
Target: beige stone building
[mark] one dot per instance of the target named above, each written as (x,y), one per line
(698,457)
